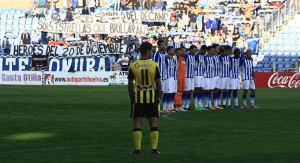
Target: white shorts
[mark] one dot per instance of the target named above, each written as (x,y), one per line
(216,82)
(163,87)
(224,83)
(189,84)
(208,84)
(199,81)
(246,84)
(169,85)
(234,84)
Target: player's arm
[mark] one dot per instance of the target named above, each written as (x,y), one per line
(130,85)
(158,85)
(253,76)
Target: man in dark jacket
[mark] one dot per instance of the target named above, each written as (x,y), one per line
(25,37)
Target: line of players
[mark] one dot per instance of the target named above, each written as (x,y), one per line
(204,73)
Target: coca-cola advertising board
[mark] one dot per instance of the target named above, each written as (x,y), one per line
(277,80)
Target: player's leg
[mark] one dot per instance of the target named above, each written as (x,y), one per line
(153,134)
(229,98)
(252,94)
(195,97)
(246,85)
(137,113)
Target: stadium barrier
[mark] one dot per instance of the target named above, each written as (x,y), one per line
(277,80)
(64,78)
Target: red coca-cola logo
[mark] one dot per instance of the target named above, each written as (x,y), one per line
(283,80)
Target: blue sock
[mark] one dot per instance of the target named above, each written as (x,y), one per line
(215,97)
(245,99)
(234,94)
(228,94)
(188,96)
(184,96)
(224,97)
(219,94)
(252,97)
(195,96)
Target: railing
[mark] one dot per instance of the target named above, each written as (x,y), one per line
(280,17)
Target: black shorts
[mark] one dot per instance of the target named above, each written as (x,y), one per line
(144,110)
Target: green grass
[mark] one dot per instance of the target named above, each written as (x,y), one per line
(92,124)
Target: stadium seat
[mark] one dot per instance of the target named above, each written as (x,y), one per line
(280,58)
(281,70)
(260,64)
(260,70)
(266,51)
(267,58)
(280,66)
(273,58)
(287,59)
(267,64)
(267,70)
(294,58)
(288,66)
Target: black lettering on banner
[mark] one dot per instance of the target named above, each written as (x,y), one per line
(40,48)
(16,49)
(87,49)
(52,51)
(143,16)
(48,50)
(111,48)
(65,51)
(106,47)
(77,50)
(94,49)
(71,51)
(30,50)
(25,50)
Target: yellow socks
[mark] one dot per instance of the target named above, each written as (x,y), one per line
(154,137)
(137,138)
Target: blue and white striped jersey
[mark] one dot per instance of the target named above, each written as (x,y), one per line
(189,66)
(170,66)
(199,65)
(217,65)
(175,69)
(247,67)
(234,67)
(159,58)
(209,66)
(224,66)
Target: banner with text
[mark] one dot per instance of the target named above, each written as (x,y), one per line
(72,51)
(277,80)
(21,77)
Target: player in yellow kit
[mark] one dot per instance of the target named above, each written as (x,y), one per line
(144,96)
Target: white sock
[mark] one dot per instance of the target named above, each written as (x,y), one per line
(252,101)
(206,101)
(236,101)
(229,101)
(172,104)
(219,101)
(183,103)
(216,102)
(245,102)
(209,102)
(224,101)
(187,103)
(165,103)
(196,102)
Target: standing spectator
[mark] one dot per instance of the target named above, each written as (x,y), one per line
(42,3)
(193,20)
(85,11)
(215,24)
(159,4)
(92,6)
(55,16)
(25,37)
(63,16)
(69,16)
(35,38)
(199,22)
(186,19)
(229,39)
(77,11)
(5,44)
(124,4)
(224,29)
(208,27)
(123,61)
(142,4)
(235,36)
(42,12)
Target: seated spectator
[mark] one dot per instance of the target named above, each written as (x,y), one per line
(63,16)
(77,11)
(159,4)
(25,37)
(35,38)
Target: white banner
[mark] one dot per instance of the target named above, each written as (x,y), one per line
(92,28)
(21,77)
(72,51)
(77,78)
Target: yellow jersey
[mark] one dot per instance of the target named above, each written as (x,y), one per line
(144,72)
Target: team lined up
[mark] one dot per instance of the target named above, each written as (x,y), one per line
(210,72)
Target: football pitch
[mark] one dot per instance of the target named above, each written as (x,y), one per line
(92,124)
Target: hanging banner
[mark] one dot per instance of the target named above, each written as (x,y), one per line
(23,63)
(72,51)
(92,28)
(39,61)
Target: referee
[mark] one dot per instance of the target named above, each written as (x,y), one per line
(144,96)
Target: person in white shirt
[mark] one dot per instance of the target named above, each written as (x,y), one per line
(123,61)
(35,38)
